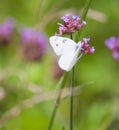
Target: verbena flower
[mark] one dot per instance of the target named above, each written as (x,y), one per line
(34,44)
(113,44)
(6,31)
(85,46)
(70,24)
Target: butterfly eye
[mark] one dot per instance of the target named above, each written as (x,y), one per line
(64,40)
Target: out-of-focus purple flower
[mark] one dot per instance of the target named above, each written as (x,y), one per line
(116,55)
(6,31)
(85,46)
(113,44)
(56,71)
(34,44)
(70,24)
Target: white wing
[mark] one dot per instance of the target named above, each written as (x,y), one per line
(69,59)
(61,45)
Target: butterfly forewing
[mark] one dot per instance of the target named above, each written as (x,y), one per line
(62,45)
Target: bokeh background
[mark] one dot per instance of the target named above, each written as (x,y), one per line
(26,88)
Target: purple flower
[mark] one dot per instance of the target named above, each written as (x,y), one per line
(70,24)
(6,31)
(115,54)
(113,44)
(75,17)
(66,18)
(85,47)
(34,44)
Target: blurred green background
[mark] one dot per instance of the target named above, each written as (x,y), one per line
(26,102)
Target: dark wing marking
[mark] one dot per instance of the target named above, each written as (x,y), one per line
(64,40)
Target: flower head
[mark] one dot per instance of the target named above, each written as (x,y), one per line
(34,44)
(85,47)
(6,31)
(113,44)
(70,24)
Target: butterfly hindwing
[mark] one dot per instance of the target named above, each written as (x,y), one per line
(68,60)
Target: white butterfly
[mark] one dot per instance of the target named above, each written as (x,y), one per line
(68,51)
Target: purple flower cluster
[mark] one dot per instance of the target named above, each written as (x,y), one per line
(34,44)
(85,46)
(71,24)
(6,31)
(113,44)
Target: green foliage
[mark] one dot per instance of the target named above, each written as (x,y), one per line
(96,107)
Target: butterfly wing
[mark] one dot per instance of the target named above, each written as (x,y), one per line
(61,45)
(69,58)
(67,49)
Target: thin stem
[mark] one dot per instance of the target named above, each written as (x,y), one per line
(57,102)
(85,11)
(71,36)
(71,96)
(71,99)
(84,14)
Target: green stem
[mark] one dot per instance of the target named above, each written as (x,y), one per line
(85,11)
(84,14)
(57,102)
(71,96)
(71,99)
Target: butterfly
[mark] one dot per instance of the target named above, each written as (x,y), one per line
(67,50)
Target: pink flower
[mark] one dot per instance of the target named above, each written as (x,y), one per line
(70,24)
(85,47)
